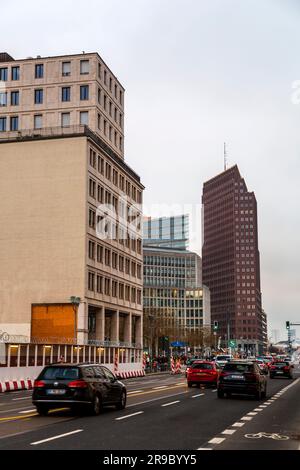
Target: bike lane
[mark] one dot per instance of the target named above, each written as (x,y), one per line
(274,424)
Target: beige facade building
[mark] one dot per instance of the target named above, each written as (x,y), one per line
(66,198)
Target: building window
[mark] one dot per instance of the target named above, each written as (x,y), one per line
(99,96)
(84,118)
(105,127)
(65,119)
(3,74)
(92,188)
(38,121)
(116,91)
(3,98)
(99,253)
(14,123)
(84,67)
(15,73)
(91,281)
(99,70)
(2,124)
(39,71)
(105,77)
(114,288)
(66,69)
(107,286)
(105,102)
(92,216)
(92,158)
(38,96)
(14,98)
(100,284)
(84,92)
(99,121)
(110,84)
(66,93)
(91,250)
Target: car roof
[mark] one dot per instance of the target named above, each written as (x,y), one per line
(69,364)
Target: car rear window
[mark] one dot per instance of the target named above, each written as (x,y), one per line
(60,373)
(202,365)
(239,367)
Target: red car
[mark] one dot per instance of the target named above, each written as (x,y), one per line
(202,372)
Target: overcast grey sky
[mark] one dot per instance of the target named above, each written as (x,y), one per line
(197,73)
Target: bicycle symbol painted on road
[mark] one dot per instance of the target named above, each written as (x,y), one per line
(275,436)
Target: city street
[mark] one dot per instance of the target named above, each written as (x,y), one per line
(162,414)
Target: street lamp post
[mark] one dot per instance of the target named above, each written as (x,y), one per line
(75,301)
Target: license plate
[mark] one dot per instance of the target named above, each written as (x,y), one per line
(56,392)
(279,372)
(237,377)
(201,373)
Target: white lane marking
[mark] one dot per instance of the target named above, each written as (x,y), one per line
(129,416)
(204,448)
(172,403)
(246,418)
(181,383)
(216,440)
(263,406)
(229,431)
(199,395)
(27,411)
(134,391)
(159,388)
(56,437)
(257,409)
(23,398)
(214,390)
(155,399)
(252,413)
(238,425)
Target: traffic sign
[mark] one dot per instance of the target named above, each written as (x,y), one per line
(232,343)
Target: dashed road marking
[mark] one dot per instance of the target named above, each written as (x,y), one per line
(171,403)
(23,398)
(27,411)
(56,437)
(160,388)
(246,418)
(199,395)
(129,416)
(134,391)
(229,431)
(252,413)
(204,448)
(238,425)
(217,440)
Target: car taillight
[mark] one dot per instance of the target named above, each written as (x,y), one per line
(286,368)
(77,384)
(38,384)
(273,367)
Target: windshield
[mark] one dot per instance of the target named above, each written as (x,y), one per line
(239,367)
(60,373)
(202,365)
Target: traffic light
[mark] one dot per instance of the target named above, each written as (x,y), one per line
(287,325)
(216,325)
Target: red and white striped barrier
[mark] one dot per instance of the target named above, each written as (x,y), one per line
(178,367)
(16,385)
(116,363)
(172,366)
(132,373)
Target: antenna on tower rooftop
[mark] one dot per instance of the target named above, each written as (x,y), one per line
(225,157)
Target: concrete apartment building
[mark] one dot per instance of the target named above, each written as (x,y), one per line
(231,261)
(61,158)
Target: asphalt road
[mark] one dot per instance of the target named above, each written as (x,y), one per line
(162,414)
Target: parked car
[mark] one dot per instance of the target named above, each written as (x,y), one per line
(281,369)
(202,372)
(242,377)
(77,386)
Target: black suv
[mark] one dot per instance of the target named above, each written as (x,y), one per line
(77,386)
(281,369)
(242,377)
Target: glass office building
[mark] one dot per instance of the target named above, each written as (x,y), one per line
(167,232)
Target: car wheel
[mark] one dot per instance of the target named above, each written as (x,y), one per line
(96,406)
(122,402)
(42,410)
(220,394)
(190,384)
